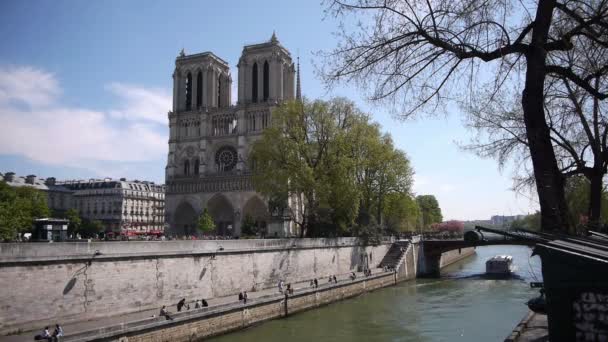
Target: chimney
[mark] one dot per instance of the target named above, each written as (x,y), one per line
(30,179)
(9,176)
(50,181)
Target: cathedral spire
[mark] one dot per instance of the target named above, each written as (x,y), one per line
(298,87)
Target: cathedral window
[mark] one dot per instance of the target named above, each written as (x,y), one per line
(196,166)
(266,81)
(186,168)
(199,90)
(219,91)
(189,91)
(254,83)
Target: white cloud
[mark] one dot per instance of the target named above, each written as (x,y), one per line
(49,132)
(140,103)
(27,85)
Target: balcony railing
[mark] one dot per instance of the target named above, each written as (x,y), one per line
(210,183)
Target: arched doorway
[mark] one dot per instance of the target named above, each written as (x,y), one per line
(255,217)
(185,219)
(223,214)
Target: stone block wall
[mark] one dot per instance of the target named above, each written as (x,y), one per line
(80,288)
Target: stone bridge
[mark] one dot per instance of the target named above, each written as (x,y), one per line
(431,251)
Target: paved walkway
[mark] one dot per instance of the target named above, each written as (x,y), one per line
(76,327)
(533,328)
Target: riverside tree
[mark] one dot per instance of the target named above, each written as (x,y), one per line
(418,54)
(430,211)
(330,162)
(18,208)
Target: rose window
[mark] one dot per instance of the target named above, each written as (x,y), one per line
(226,158)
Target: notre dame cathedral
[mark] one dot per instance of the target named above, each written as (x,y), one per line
(210,138)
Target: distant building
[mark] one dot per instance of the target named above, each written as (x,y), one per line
(124,207)
(59,198)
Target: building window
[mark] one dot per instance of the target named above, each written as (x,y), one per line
(219,91)
(187,168)
(189,91)
(196,166)
(266,81)
(199,90)
(254,83)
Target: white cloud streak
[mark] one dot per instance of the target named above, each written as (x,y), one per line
(37,126)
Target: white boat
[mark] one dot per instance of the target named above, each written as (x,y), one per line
(500,265)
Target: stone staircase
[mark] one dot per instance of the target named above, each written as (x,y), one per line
(395,254)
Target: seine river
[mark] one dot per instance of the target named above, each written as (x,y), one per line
(460,306)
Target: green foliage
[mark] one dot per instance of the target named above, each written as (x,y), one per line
(329,156)
(528,222)
(249,226)
(401,213)
(18,209)
(205,222)
(429,209)
(90,228)
(577,191)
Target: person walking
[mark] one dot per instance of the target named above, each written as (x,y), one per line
(316,283)
(245,297)
(181,304)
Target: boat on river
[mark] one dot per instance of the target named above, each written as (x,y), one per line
(500,265)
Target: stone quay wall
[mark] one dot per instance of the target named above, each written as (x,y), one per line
(194,326)
(70,282)
(455,255)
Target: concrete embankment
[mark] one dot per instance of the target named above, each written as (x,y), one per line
(455,255)
(70,282)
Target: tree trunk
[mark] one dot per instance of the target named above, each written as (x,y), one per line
(549,180)
(595,197)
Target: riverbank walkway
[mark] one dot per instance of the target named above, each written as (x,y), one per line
(77,327)
(533,327)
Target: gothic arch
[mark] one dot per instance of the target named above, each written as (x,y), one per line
(254,82)
(189,91)
(222,212)
(199,90)
(256,208)
(185,218)
(266,81)
(186,167)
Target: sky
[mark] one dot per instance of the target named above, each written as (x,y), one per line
(85,87)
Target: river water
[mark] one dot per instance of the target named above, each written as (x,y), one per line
(460,306)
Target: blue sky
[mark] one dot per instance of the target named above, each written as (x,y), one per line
(85,87)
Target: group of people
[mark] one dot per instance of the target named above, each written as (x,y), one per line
(388,268)
(46,334)
(367,272)
(353,276)
(314,283)
(285,289)
(182,305)
(332,279)
(243,297)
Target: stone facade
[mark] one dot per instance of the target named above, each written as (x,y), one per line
(124,207)
(210,139)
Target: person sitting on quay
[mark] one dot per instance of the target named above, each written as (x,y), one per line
(280,286)
(330,279)
(289,289)
(196,304)
(353,276)
(57,333)
(316,283)
(204,303)
(165,313)
(312,284)
(241,296)
(181,304)
(335,279)
(46,335)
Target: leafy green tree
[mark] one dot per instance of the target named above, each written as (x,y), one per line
(249,226)
(18,209)
(90,228)
(401,212)
(205,222)
(430,210)
(528,222)
(75,224)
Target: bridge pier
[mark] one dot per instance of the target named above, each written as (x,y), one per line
(431,259)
